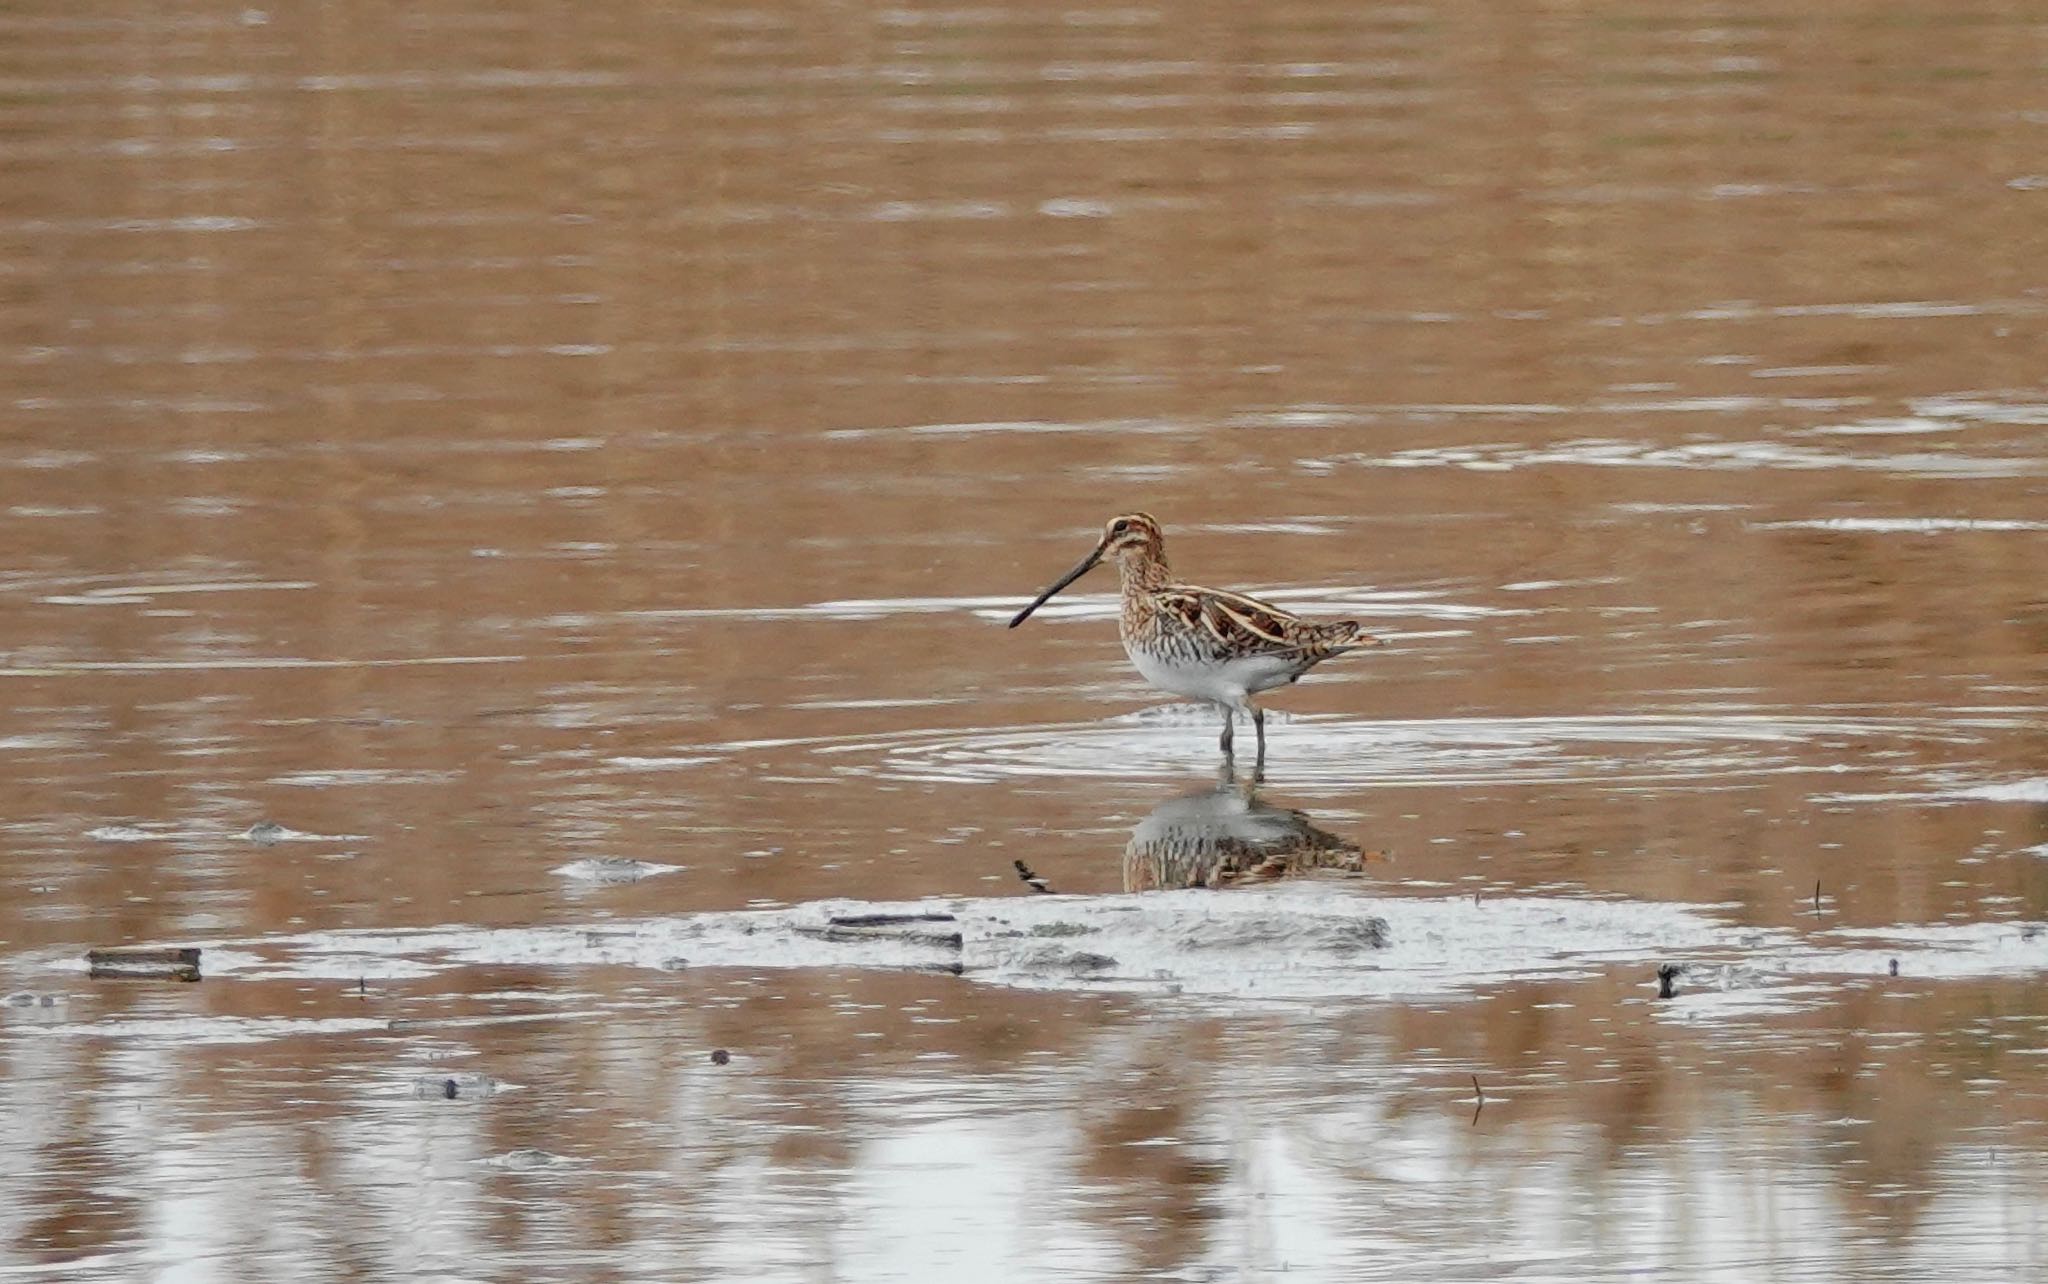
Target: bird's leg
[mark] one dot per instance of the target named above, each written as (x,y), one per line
(1259,763)
(1229,728)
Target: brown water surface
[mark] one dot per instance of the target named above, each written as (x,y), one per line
(483,438)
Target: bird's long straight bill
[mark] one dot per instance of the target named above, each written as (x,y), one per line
(1081,568)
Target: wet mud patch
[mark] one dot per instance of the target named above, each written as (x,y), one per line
(1302,941)
(1273,942)
(1286,944)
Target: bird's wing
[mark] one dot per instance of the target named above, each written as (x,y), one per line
(1244,625)
(1238,624)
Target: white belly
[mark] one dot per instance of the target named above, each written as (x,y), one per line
(1226,683)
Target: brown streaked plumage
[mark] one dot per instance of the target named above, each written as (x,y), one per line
(1206,643)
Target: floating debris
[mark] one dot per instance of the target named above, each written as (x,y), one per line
(1031,880)
(527,1159)
(123,834)
(454,1087)
(36,1008)
(264,833)
(611,870)
(144,963)
(719,1057)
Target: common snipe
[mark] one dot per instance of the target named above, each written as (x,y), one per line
(1202,642)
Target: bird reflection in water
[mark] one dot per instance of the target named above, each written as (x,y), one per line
(1227,837)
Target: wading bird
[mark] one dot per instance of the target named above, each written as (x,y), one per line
(1202,642)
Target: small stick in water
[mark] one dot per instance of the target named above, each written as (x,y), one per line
(1031,880)
(1667,980)
(1480,1093)
(1816,897)
(886,920)
(143,963)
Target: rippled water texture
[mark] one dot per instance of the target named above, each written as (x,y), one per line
(508,514)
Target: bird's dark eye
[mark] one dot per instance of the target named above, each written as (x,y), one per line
(1119,526)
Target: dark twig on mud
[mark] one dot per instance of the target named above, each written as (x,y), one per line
(1667,980)
(1480,1093)
(1031,880)
(1816,898)
(888,920)
(942,930)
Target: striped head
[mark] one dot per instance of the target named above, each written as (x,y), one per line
(1133,535)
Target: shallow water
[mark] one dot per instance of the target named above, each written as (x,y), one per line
(506,525)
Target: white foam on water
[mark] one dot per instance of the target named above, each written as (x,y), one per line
(184,1031)
(1949,792)
(1903,525)
(1788,974)
(839,609)
(128,834)
(1121,427)
(1332,601)
(2031,791)
(50,667)
(1930,950)
(1319,600)
(1714,456)
(267,833)
(1814,372)
(132,591)
(1967,409)
(263,834)
(631,762)
(360,776)
(1907,427)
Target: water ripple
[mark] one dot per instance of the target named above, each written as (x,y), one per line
(1704,750)
(1717,456)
